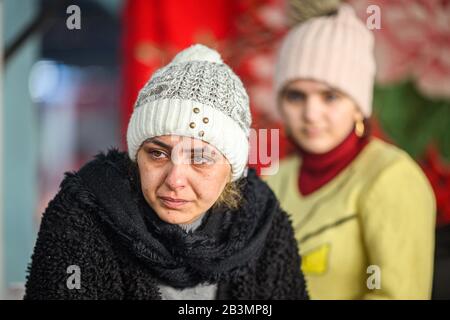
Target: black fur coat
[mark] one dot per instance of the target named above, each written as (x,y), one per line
(100,224)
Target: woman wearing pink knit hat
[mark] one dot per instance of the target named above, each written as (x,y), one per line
(362,210)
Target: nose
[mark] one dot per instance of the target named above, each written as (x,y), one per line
(312,109)
(176,177)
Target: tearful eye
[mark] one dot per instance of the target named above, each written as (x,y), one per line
(202,160)
(156,154)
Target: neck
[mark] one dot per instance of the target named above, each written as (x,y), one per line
(318,169)
(193,225)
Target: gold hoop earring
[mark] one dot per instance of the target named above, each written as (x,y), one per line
(359,128)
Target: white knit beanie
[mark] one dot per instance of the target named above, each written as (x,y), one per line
(335,49)
(196,95)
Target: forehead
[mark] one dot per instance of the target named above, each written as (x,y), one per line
(307,85)
(176,140)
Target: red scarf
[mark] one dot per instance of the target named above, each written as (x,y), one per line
(318,169)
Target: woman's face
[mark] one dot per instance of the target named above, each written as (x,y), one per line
(317,116)
(181,177)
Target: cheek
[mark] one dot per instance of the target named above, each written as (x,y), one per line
(291,115)
(340,121)
(150,181)
(209,186)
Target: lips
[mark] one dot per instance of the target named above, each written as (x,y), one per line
(312,132)
(173,203)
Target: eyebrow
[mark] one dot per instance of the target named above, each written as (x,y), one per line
(159,143)
(168,147)
(319,91)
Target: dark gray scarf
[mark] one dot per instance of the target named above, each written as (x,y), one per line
(225,242)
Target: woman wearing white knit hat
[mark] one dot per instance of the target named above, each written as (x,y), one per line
(177,217)
(362,210)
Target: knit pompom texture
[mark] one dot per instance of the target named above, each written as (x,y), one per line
(302,10)
(197,52)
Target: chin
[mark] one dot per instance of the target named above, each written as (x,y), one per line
(319,149)
(315,146)
(174,216)
(171,217)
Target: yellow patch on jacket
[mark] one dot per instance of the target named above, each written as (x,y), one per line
(316,260)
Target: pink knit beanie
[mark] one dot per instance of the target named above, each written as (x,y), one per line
(335,49)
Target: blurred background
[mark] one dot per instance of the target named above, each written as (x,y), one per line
(71,71)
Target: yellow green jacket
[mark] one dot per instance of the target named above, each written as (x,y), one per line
(369,232)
